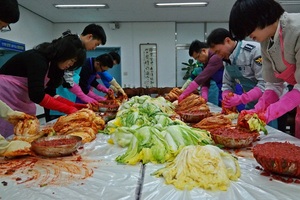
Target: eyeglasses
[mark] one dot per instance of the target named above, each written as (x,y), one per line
(6,29)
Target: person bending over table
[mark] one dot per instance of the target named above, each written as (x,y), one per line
(24,76)
(213,69)
(88,76)
(278,32)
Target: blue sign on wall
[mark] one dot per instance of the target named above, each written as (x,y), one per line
(11,45)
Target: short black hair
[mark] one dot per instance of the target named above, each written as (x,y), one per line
(247,15)
(218,36)
(97,31)
(115,56)
(105,60)
(9,11)
(196,46)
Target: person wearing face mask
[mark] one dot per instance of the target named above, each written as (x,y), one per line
(24,76)
(213,69)
(88,76)
(278,33)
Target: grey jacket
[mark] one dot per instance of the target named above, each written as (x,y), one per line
(272,58)
(248,60)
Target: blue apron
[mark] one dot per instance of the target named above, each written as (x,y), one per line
(218,79)
(246,84)
(213,94)
(235,73)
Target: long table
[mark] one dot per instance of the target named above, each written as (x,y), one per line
(93,174)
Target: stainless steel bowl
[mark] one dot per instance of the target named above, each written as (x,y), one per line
(56,146)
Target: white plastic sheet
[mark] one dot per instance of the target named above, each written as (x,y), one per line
(108,180)
(250,186)
(96,175)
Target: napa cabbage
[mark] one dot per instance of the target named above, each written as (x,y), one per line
(206,166)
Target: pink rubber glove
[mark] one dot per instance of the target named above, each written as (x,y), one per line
(244,98)
(225,93)
(95,96)
(83,97)
(192,86)
(204,92)
(286,103)
(297,123)
(102,88)
(265,100)
(229,102)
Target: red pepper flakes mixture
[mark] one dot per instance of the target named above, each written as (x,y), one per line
(279,157)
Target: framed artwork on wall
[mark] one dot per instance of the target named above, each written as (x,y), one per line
(148,65)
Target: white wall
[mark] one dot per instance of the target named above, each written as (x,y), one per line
(128,37)
(29,30)
(33,29)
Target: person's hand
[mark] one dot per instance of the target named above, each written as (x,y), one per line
(253,121)
(125,97)
(269,97)
(204,92)
(102,88)
(182,97)
(192,86)
(15,116)
(80,106)
(231,101)
(83,97)
(94,103)
(110,92)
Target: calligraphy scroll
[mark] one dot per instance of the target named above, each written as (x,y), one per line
(148,59)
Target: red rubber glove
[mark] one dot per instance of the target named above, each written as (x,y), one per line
(192,86)
(244,98)
(265,100)
(78,92)
(286,103)
(204,92)
(54,104)
(70,103)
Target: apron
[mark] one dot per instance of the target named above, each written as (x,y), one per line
(235,73)
(218,77)
(91,78)
(14,92)
(288,75)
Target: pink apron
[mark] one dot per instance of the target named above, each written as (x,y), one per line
(288,75)
(14,92)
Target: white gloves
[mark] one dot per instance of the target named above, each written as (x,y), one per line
(116,87)
(10,115)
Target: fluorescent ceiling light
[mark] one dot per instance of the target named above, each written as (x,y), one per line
(186,4)
(80,5)
(289,2)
